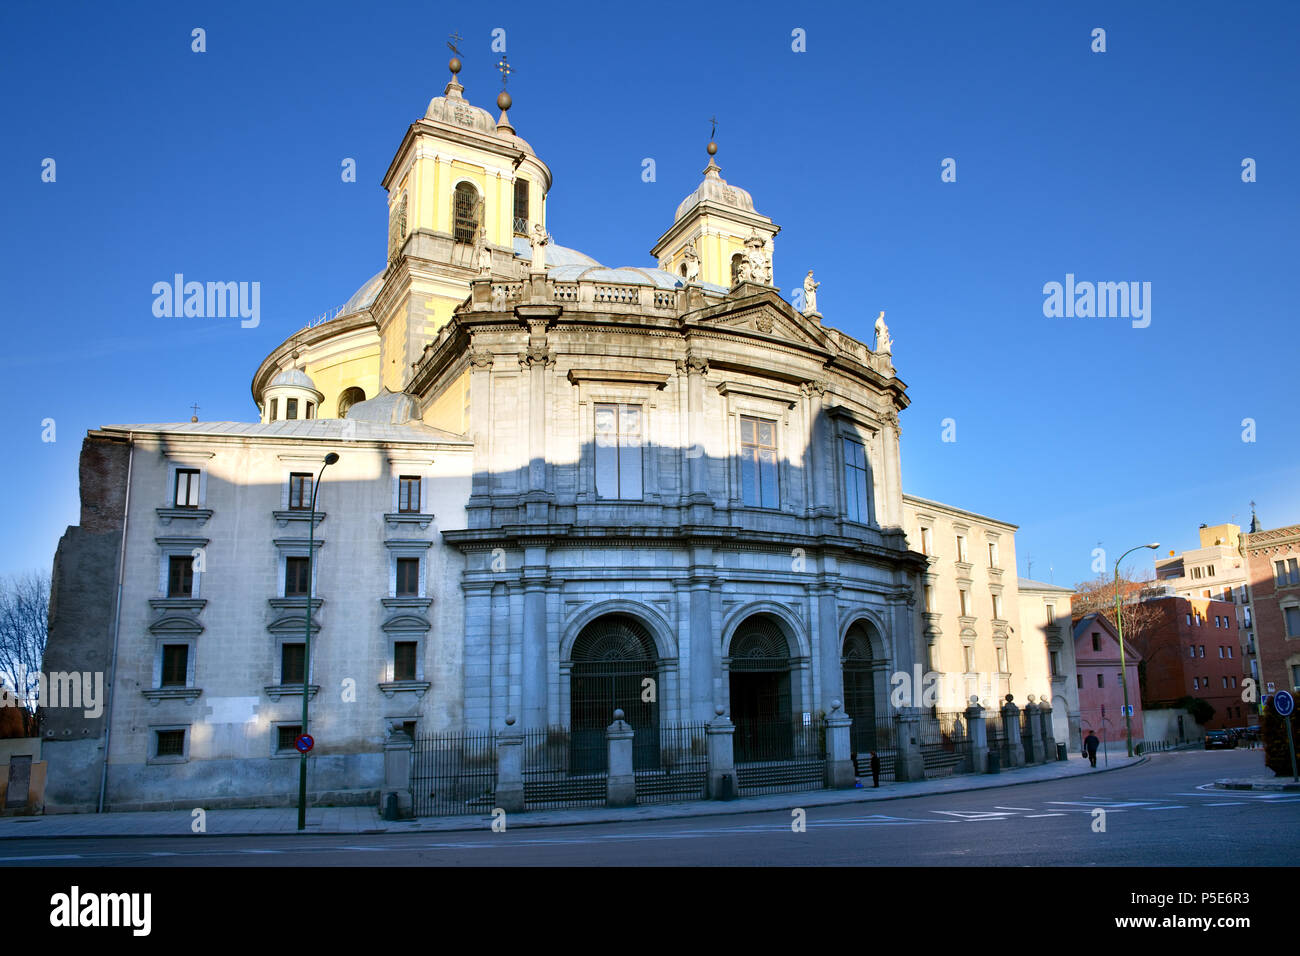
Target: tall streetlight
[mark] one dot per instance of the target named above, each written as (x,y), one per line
(1123,668)
(330,459)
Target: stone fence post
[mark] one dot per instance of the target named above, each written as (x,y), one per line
(1035,722)
(909,764)
(1049,734)
(397,773)
(510,768)
(1011,728)
(722,767)
(840,773)
(978,732)
(620,785)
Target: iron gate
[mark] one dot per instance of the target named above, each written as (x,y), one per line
(454,774)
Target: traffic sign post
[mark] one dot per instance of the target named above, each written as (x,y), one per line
(304,743)
(1284,704)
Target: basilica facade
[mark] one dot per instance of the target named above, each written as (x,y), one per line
(561,488)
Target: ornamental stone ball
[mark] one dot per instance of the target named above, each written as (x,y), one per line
(712,148)
(719,709)
(454,65)
(1031,698)
(975,700)
(618,713)
(510,720)
(1010,698)
(503,100)
(835,704)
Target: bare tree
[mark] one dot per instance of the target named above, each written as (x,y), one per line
(24,629)
(1141,620)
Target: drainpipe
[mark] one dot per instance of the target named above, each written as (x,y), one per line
(117,617)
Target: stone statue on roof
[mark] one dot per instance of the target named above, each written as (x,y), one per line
(539,240)
(484,253)
(692,262)
(884,343)
(810,294)
(756,258)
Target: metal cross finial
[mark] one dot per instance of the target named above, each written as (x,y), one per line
(196,411)
(452,41)
(506,69)
(713,128)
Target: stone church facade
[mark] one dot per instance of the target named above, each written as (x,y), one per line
(562,488)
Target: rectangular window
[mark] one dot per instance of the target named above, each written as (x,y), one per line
(1189,618)
(1101,679)
(1051,613)
(1002,660)
(1279,568)
(1229,652)
(404,660)
(1295,675)
(997,607)
(408,577)
(290,408)
(1292,615)
(1202,646)
(1209,571)
(1293,570)
(969,653)
(1196,683)
(408,494)
(180,576)
(855,482)
(929,597)
(187,488)
(964,599)
(1056,663)
(1246,614)
(299,491)
(521,206)
(169,743)
(175,663)
(758,463)
(275,407)
(1078,679)
(296,571)
(618,451)
(293,657)
(1191,651)
(1220,652)
(1096,642)
(962,556)
(993,554)
(927,542)
(286,735)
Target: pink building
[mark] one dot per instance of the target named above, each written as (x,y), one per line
(1101,695)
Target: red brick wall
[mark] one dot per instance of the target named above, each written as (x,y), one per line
(1171,670)
(1275,650)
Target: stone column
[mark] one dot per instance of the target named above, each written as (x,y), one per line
(1011,727)
(510,768)
(1035,729)
(620,785)
(722,768)
(821,457)
(830,667)
(696,368)
(840,772)
(533,665)
(979,736)
(702,638)
(397,772)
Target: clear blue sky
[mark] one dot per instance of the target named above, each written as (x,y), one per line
(1115,166)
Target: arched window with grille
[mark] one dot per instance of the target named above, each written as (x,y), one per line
(860,687)
(350,397)
(466,210)
(611,660)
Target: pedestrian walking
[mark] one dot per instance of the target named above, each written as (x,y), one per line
(875,769)
(1090,747)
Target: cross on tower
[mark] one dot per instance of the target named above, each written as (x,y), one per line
(713,128)
(196,412)
(452,41)
(506,69)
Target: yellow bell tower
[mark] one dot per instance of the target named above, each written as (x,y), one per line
(460,189)
(717,236)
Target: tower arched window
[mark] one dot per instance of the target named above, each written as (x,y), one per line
(736,260)
(349,398)
(465,206)
(521,207)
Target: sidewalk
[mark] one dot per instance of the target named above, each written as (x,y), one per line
(283,820)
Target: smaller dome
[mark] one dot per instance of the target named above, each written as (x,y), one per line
(364,297)
(293,376)
(386,408)
(455,110)
(715,189)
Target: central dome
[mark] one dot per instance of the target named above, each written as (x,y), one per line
(716,189)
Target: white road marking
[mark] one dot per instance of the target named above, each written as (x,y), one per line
(1231,803)
(1035,816)
(45,856)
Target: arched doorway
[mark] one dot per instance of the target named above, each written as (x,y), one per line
(859,687)
(612,658)
(760,691)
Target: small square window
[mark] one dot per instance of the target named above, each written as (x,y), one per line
(286,735)
(169,743)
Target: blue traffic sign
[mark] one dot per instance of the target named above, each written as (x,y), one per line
(304,743)
(1283,703)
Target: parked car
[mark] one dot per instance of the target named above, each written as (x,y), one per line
(1219,738)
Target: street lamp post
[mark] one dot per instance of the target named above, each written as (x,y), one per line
(330,459)
(1123,667)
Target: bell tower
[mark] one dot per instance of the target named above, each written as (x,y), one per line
(717,236)
(460,188)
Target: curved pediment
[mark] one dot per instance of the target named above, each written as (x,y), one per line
(176,624)
(406,622)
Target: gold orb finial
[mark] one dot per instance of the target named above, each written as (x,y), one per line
(713,148)
(454,65)
(503,100)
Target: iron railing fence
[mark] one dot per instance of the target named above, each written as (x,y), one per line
(563,769)
(880,735)
(945,744)
(996,733)
(680,770)
(779,756)
(1027,736)
(453,774)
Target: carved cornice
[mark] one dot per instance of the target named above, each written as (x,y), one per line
(536,355)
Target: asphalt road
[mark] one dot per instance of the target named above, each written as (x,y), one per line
(1163,813)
